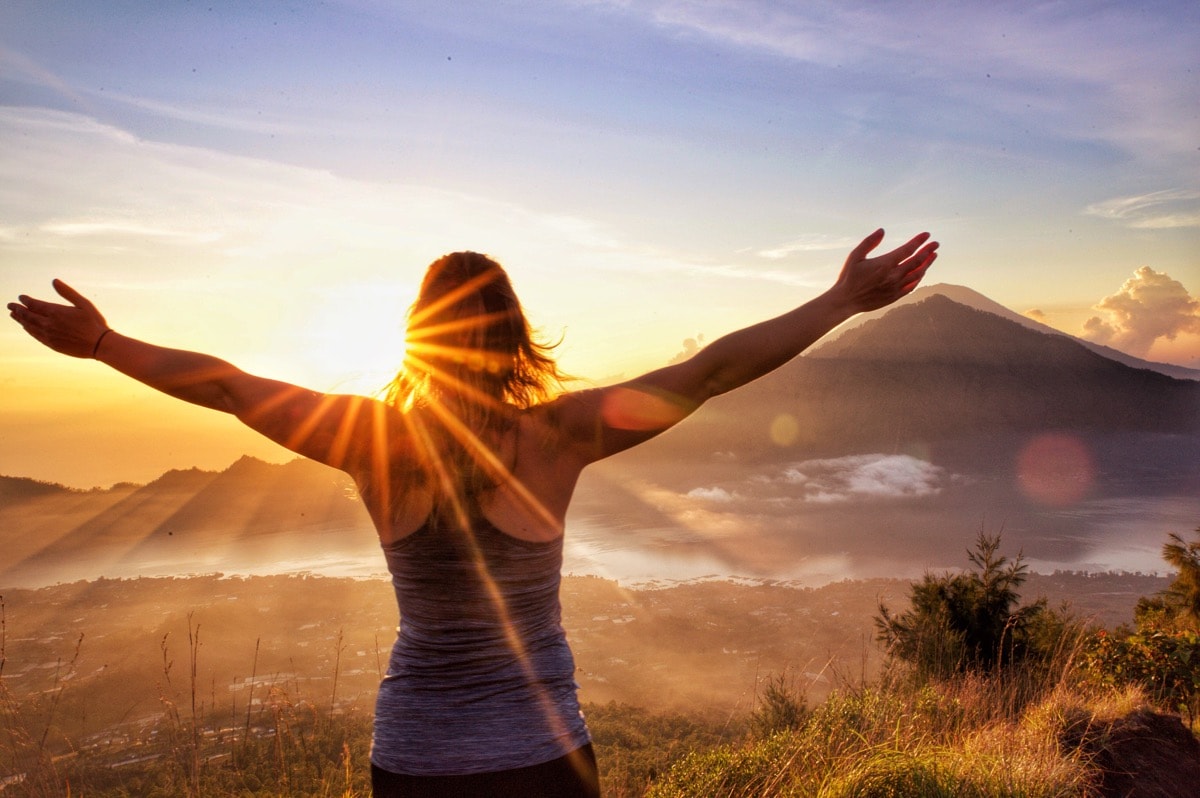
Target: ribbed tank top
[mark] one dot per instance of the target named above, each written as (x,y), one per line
(480,678)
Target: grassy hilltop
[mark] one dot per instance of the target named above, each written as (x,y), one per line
(264,686)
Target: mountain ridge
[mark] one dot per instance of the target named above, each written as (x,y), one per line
(973,299)
(928,371)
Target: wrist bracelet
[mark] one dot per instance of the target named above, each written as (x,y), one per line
(96,348)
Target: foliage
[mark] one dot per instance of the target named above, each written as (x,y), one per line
(1161,655)
(635,746)
(1165,663)
(979,731)
(1177,607)
(969,621)
(782,707)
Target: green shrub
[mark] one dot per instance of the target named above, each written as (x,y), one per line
(971,621)
(1164,663)
(782,707)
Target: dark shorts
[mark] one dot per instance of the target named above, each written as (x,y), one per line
(572,776)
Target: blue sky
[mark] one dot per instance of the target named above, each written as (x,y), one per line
(267,180)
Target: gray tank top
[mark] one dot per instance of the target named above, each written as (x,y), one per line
(480,677)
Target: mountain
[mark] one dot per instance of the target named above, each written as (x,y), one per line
(184,521)
(15,489)
(935,370)
(973,299)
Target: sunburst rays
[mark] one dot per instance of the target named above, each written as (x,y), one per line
(420,317)
(437,352)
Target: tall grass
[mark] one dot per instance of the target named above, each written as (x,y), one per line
(29,727)
(291,744)
(1015,732)
(872,743)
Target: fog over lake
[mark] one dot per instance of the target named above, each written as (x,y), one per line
(867,516)
(808,523)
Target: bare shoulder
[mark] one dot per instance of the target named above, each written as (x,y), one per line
(567,426)
(592,424)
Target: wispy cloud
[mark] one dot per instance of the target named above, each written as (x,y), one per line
(1155,210)
(18,66)
(118,228)
(1128,69)
(122,187)
(715,494)
(217,117)
(814,242)
(808,35)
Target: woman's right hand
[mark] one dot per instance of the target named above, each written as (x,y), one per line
(73,329)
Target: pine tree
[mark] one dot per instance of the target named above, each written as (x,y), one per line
(967,621)
(1179,605)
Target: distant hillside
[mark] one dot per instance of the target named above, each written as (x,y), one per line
(264,512)
(16,489)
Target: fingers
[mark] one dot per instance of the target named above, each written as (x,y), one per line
(905,250)
(71,295)
(72,329)
(924,260)
(900,254)
(28,307)
(863,249)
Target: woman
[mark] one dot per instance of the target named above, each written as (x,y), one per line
(467,469)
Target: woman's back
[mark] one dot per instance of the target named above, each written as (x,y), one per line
(481,677)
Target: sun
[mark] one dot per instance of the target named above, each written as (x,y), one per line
(355,339)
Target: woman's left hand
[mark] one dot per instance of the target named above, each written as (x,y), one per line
(867,283)
(73,329)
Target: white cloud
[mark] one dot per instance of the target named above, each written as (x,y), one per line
(809,243)
(1156,210)
(140,196)
(760,26)
(714,494)
(868,476)
(210,117)
(690,347)
(1149,306)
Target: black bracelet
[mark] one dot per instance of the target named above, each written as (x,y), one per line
(96,348)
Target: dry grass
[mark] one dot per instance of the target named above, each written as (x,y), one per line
(982,735)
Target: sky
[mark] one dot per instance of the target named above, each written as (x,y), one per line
(266,181)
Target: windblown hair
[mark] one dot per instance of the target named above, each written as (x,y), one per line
(470,343)
(472,360)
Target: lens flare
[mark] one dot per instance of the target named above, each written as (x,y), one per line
(1055,469)
(784,430)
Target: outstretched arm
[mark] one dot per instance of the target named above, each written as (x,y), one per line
(605,421)
(328,428)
